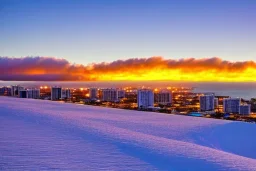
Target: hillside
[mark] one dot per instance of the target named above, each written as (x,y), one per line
(45,135)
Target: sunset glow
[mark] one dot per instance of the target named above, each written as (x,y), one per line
(177,75)
(135,69)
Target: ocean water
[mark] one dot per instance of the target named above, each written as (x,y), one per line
(246,90)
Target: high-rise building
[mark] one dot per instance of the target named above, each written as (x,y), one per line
(163,97)
(65,94)
(231,105)
(145,98)
(206,102)
(33,93)
(56,93)
(245,109)
(93,93)
(15,89)
(23,94)
(109,95)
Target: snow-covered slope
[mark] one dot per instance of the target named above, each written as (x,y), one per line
(44,135)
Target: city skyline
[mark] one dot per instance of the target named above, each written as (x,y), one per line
(127,85)
(85,32)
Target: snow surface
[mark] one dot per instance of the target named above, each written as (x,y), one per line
(45,135)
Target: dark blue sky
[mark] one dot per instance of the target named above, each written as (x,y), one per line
(105,30)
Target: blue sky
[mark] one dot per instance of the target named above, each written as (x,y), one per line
(106,30)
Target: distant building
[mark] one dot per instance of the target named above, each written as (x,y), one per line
(93,93)
(145,98)
(56,93)
(5,91)
(121,94)
(245,109)
(33,93)
(206,102)
(23,94)
(163,97)
(109,95)
(15,90)
(65,94)
(231,105)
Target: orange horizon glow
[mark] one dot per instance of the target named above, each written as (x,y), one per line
(141,69)
(174,76)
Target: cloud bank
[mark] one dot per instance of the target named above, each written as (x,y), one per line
(153,68)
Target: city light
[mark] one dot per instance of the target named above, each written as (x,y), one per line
(181,99)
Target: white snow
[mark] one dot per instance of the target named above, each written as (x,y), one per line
(45,135)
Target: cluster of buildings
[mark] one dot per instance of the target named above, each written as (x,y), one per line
(57,93)
(210,103)
(19,91)
(146,98)
(142,99)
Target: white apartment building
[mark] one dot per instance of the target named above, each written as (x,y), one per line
(145,98)
(231,105)
(109,95)
(207,102)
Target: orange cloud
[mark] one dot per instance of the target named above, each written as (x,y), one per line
(154,68)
